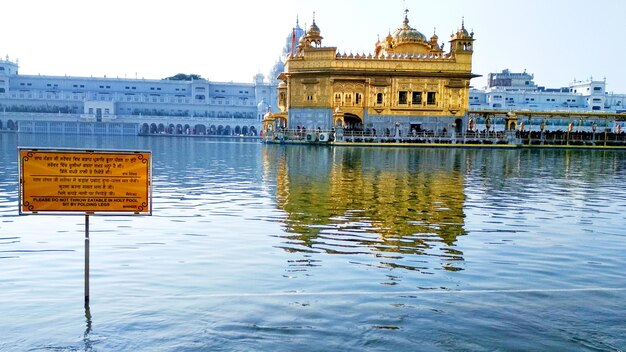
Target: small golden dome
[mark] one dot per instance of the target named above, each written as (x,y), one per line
(434,38)
(389,40)
(314,29)
(462,33)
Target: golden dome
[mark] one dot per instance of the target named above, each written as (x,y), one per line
(435,37)
(407,40)
(462,32)
(407,34)
(314,29)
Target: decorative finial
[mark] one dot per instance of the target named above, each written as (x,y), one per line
(406,13)
(313,17)
(297,21)
(463,22)
(434,30)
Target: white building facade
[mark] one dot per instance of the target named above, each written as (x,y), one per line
(144,102)
(507,90)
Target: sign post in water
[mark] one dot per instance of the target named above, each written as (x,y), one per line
(89,182)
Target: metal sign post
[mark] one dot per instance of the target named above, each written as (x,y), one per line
(89,182)
(86,259)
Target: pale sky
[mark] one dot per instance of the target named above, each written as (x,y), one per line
(229,40)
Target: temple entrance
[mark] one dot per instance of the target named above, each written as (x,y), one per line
(458,125)
(352,122)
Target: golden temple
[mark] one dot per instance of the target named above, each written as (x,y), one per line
(408,84)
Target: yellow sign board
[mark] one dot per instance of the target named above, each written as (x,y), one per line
(85,181)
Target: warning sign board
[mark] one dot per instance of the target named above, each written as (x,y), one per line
(82,181)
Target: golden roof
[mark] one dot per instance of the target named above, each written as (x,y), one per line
(407,34)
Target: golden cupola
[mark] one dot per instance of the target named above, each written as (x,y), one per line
(434,44)
(407,40)
(312,37)
(462,41)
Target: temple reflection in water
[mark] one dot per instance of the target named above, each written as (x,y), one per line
(389,203)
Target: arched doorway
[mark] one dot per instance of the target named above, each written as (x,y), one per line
(212,130)
(199,129)
(237,130)
(253,131)
(145,128)
(458,125)
(352,122)
(511,125)
(227,130)
(220,130)
(510,121)
(12,126)
(161,129)
(171,129)
(179,129)
(187,129)
(153,128)
(244,130)
(0,124)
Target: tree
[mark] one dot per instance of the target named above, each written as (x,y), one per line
(184,77)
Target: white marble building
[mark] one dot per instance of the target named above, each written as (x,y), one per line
(507,90)
(133,100)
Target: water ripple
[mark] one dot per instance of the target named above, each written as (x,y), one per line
(255,247)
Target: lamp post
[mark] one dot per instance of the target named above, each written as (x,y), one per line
(453,125)
(397,132)
(570,127)
(530,130)
(593,128)
(606,127)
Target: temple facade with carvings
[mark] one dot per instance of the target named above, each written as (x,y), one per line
(410,83)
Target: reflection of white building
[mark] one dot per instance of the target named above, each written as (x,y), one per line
(507,90)
(24,97)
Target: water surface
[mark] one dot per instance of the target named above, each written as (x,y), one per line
(276,248)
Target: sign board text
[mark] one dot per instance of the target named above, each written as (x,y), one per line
(85,181)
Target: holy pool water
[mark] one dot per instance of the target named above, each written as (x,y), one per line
(284,248)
